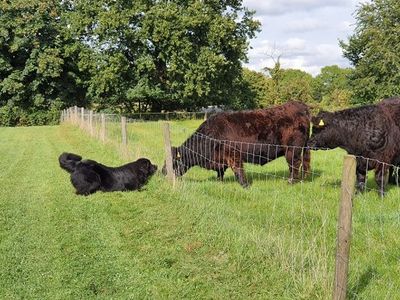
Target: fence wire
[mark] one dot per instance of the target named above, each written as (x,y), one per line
(290,208)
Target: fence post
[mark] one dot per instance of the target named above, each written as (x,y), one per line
(103,128)
(82,117)
(123,131)
(344,227)
(205,116)
(76,114)
(168,154)
(91,122)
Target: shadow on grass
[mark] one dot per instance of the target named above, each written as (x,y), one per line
(360,285)
(253,177)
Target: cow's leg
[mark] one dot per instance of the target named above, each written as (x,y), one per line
(381,177)
(392,178)
(239,174)
(221,173)
(220,161)
(306,169)
(394,175)
(293,158)
(361,175)
(236,164)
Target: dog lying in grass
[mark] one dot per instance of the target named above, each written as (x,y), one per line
(89,176)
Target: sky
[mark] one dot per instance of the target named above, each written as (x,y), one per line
(304,33)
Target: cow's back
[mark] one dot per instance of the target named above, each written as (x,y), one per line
(270,126)
(392,108)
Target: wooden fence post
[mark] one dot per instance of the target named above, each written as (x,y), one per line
(123,131)
(103,128)
(91,122)
(344,227)
(76,114)
(168,154)
(82,117)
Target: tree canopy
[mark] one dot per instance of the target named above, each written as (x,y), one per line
(162,55)
(38,72)
(120,55)
(373,50)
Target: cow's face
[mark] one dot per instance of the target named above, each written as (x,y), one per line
(179,164)
(324,133)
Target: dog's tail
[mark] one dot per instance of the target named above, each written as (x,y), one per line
(69,161)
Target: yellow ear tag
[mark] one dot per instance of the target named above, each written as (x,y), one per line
(178,155)
(321,123)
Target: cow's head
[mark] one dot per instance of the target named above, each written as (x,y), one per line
(179,162)
(324,132)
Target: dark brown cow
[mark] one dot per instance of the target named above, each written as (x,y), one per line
(370,131)
(229,139)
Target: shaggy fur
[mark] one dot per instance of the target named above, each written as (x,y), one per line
(89,176)
(370,131)
(229,139)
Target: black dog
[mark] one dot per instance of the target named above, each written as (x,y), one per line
(89,176)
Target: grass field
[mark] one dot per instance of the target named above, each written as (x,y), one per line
(202,240)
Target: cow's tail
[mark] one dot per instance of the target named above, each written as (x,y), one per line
(69,161)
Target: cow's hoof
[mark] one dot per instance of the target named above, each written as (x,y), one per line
(245,185)
(292,180)
(360,187)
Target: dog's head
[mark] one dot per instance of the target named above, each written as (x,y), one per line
(146,167)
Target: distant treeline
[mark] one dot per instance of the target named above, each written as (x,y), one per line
(136,56)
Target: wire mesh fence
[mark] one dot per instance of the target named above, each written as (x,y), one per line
(289,205)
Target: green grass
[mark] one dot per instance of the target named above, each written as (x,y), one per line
(202,240)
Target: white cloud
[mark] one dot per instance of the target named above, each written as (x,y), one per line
(296,55)
(304,33)
(303,25)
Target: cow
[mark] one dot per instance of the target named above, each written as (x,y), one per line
(367,132)
(394,176)
(229,139)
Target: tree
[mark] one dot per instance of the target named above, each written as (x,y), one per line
(288,84)
(332,87)
(254,90)
(374,50)
(163,54)
(37,69)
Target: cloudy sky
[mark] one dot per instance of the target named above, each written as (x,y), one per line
(305,33)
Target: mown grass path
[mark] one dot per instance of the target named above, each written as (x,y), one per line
(204,240)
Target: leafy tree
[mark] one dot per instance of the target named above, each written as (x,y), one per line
(163,54)
(332,87)
(374,51)
(38,75)
(254,90)
(288,84)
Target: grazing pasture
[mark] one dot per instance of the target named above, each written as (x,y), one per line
(204,239)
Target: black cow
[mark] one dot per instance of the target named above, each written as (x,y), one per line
(392,103)
(229,139)
(367,132)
